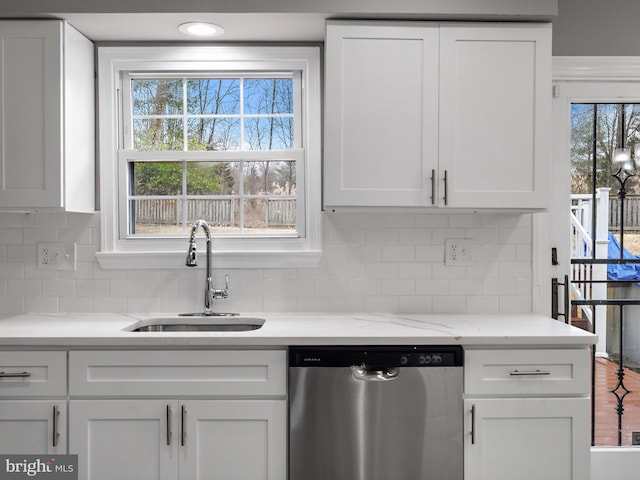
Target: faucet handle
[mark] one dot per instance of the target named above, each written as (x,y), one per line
(222,292)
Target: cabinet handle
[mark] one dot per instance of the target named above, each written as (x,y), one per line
(183,428)
(433,187)
(446,187)
(169,425)
(14,374)
(529,373)
(473,424)
(56,434)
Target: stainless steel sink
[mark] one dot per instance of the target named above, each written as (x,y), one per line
(197,324)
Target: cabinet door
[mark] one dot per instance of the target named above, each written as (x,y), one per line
(33,427)
(495,115)
(527,439)
(234,439)
(30,124)
(381,114)
(124,439)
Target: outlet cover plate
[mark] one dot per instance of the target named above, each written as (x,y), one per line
(458,252)
(56,256)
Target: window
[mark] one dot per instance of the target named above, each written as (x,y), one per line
(230,135)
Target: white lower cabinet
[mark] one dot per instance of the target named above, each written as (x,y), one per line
(33,427)
(33,404)
(527,414)
(170,439)
(178,415)
(526,439)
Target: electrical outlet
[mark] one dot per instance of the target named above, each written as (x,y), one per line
(56,256)
(458,252)
(635,438)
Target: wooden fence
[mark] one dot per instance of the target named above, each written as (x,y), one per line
(631,213)
(218,212)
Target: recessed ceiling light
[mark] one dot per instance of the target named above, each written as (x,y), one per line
(201,29)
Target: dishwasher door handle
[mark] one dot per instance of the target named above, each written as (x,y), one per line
(375,375)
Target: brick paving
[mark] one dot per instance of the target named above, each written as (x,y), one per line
(606,418)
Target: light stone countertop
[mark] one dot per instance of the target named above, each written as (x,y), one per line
(279,330)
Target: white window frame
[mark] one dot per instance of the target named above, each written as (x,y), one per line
(118,251)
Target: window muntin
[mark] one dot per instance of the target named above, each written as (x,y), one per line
(218,116)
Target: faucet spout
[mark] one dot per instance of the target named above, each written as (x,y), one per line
(192,261)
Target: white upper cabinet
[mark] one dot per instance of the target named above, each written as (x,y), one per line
(381,123)
(47,132)
(437,115)
(495,111)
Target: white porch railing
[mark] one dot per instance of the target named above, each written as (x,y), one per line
(582,246)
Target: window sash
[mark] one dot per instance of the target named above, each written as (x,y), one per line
(125,157)
(127,135)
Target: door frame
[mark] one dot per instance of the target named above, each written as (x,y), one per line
(575,80)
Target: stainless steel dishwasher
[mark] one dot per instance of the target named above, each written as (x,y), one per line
(376,413)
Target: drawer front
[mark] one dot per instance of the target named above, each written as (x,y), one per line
(527,372)
(28,374)
(177,373)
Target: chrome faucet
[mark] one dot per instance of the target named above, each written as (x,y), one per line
(210,293)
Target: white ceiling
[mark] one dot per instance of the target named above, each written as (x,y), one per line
(142,27)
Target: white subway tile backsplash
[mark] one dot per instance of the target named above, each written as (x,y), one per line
(12,270)
(465,221)
(364,286)
(35,235)
(398,253)
(144,304)
(515,304)
(110,304)
(381,236)
(12,305)
(381,304)
(398,287)
(450,304)
(22,253)
(11,236)
(387,262)
(432,287)
(414,236)
(125,288)
(431,221)
(51,220)
(58,288)
(93,288)
(381,270)
(76,304)
(415,304)
(414,270)
(41,304)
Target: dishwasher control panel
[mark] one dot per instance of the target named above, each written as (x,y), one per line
(393,356)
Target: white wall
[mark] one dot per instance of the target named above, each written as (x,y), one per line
(597,28)
(372,262)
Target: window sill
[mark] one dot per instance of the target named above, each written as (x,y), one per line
(220,259)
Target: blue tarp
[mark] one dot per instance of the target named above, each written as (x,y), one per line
(621,272)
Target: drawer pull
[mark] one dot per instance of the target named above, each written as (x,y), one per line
(14,374)
(183,427)
(169,432)
(529,373)
(473,424)
(433,187)
(56,434)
